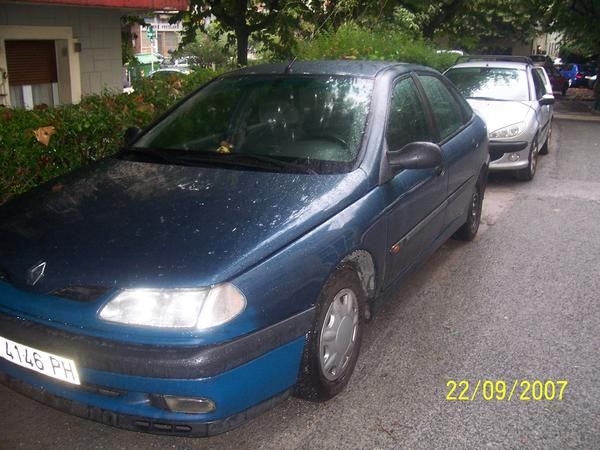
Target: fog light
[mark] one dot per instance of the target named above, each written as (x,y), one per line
(513,157)
(189,405)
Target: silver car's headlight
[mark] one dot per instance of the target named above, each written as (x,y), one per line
(508,132)
(176,308)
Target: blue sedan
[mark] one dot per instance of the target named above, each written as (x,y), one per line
(233,251)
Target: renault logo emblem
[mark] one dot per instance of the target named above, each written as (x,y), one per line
(36,273)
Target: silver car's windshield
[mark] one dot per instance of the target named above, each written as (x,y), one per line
(490,83)
(315,121)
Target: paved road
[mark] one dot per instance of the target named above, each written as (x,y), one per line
(520,302)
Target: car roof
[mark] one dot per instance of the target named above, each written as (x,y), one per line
(495,64)
(360,68)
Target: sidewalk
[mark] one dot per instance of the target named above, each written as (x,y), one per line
(578,104)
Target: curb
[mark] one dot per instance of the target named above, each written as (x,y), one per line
(580,117)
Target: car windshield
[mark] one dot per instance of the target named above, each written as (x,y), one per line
(490,83)
(314,122)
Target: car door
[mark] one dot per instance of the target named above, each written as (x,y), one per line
(457,143)
(544,112)
(415,198)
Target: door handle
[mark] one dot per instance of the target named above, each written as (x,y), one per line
(439,170)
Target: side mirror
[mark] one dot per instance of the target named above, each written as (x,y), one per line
(131,134)
(547,100)
(416,155)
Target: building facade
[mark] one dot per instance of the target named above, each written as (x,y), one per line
(56,51)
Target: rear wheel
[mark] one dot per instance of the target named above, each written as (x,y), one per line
(469,229)
(333,344)
(528,172)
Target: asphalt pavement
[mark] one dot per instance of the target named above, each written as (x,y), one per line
(520,303)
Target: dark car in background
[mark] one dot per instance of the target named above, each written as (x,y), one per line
(559,83)
(569,71)
(231,254)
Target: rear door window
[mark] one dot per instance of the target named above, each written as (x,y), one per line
(538,83)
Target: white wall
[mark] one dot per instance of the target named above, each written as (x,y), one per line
(98,30)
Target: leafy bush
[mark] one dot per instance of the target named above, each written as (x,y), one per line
(70,136)
(351,41)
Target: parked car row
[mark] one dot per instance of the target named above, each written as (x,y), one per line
(232,252)
(579,75)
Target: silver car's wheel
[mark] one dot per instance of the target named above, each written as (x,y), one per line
(528,173)
(546,147)
(338,334)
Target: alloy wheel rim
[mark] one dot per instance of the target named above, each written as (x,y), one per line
(338,334)
(533,160)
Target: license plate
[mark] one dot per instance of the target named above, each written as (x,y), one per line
(42,362)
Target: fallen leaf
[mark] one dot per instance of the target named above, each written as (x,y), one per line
(43,134)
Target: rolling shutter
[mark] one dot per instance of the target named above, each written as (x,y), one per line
(31,62)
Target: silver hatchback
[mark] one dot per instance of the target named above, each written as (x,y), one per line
(513,98)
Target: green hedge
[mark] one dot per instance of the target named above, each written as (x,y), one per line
(351,41)
(83,133)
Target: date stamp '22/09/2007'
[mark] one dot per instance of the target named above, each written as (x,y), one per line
(501,390)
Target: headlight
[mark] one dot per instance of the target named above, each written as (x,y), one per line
(176,308)
(508,132)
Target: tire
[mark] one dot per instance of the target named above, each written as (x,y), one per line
(546,147)
(325,372)
(564,89)
(468,230)
(528,172)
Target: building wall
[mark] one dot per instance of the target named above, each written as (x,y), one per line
(98,30)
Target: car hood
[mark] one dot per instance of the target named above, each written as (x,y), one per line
(498,114)
(132,224)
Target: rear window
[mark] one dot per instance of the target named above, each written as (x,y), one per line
(490,83)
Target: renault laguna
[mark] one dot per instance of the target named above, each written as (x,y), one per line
(231,253)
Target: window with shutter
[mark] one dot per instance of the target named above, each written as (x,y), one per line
(31,62)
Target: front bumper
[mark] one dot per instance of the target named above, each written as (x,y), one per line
(501,151)
(121,382)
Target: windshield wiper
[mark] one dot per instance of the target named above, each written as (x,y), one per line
(150,153)
(491,99)
(241,160)
(185,157)
(273,162)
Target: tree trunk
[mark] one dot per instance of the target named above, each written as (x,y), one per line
(241,37)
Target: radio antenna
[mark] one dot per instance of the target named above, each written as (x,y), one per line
(288,68)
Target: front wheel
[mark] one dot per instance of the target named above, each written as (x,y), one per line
(333,343)
(528,172)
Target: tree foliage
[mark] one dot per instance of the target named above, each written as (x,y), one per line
(577,20)
(473,25)
(268,21)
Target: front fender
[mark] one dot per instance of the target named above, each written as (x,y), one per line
(289,281)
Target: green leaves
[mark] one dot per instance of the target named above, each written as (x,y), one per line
(352,41)
(38,145)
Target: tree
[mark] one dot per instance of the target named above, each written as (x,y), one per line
(577,20)
(240,17)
